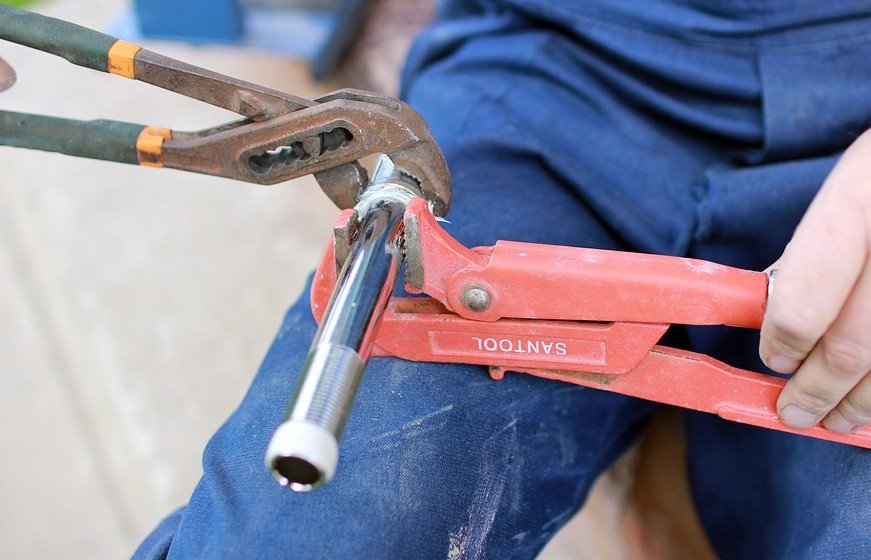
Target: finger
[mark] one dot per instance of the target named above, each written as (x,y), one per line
(854,412)
(835,365)
(7,75)
(829,249)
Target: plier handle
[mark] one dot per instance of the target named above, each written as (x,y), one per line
(280,136)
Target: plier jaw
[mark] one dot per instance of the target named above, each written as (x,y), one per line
(325,139)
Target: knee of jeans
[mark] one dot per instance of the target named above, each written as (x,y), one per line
(439,410)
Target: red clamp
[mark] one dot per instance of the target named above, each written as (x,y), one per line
(585,316)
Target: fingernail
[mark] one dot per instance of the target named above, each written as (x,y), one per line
(781,363)
(797,417)
(836,422)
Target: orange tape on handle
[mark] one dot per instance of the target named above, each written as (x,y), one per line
(149,145)
(121,59)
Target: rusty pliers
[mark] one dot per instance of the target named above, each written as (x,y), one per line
(281,136)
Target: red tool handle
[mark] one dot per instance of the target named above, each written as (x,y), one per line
(699,382)
(532,281)
(570,283)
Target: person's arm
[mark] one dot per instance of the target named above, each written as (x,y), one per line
(818,320)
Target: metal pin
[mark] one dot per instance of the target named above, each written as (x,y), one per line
(772,275)
(475,298)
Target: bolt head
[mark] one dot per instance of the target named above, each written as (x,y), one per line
(475,298)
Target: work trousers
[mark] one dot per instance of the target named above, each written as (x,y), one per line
(691,128)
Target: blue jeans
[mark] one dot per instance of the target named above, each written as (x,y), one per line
(681,131)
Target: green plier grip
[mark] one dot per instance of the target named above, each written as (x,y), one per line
(114,140)
(80,45)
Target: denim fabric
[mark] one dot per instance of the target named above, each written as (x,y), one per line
(693,129)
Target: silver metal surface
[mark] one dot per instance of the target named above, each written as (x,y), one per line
(772,276)
(326,399)
(475,298)
(338,354)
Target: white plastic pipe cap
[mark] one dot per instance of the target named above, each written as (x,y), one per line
(302,455)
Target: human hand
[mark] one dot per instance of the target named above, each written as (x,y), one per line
(818,319)
(7,75)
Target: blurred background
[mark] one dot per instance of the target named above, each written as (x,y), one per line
(136,304)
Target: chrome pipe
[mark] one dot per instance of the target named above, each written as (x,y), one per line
(304,452)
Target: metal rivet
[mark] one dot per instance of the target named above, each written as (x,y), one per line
(772,276)
(475,298)
(313,146)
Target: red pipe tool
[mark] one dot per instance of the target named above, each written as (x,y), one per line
(584,316)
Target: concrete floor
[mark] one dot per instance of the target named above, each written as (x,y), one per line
(135,306)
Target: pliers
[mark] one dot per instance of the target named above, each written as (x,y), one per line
(280,136)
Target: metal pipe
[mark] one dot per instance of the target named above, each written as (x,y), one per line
(303,452)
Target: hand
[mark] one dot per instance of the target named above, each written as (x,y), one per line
(7,75)
(818,319)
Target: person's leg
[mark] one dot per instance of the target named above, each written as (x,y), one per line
(788,496)
(435,458)
(550,139)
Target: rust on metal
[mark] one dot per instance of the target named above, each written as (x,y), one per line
(281,136)
(249,100)
(348,125)
(413,257)
(344,236)
(342,184)
(121,57)
(420,306)
(284,137)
